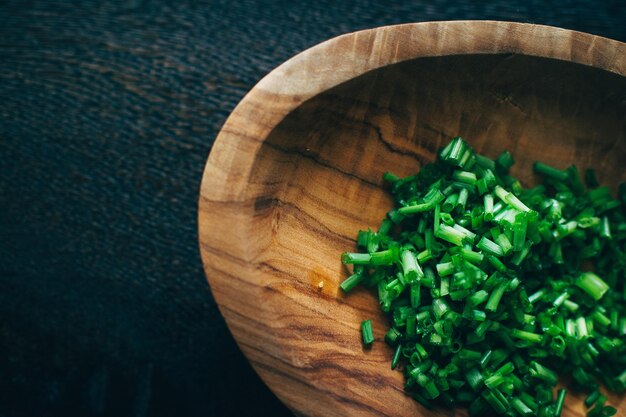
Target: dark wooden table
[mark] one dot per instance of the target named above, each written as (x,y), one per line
(108,112)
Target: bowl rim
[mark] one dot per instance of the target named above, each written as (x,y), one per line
(319,68)
(311,72)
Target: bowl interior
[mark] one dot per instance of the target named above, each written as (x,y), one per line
(317,181)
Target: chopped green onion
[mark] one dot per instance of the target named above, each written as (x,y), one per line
(490,247)
(482,293)
(396,356)
(352,281)
(550,172)
(592,285)
(560,399)
(367,332)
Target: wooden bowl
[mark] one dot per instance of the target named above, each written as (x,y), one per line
(296,171)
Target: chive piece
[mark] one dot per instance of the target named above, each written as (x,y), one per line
(605,229)
(488,205)
(454,152)
(519,231)
(450,203)
(592,398)
(477,298)
(450,234)
(521,407)
(393,336)
(495,297)
(356,258)
(416,208)
(415,296)
(560,399)
(464,176)
(550,172)
(411,269)
(391,177)
(541,372)
(396,357)
(504,161)
(471,256)
(527,336)
(504,243)
(489,247)
(495,403)
(592,285)
(462,200)
(352,281)
(367,332)
(496,263)
(440,307)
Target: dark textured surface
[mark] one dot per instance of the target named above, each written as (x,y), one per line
(108,112)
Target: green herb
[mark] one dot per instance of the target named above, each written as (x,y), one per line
(367,332)
(491,288)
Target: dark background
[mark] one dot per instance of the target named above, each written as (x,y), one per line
(107,114)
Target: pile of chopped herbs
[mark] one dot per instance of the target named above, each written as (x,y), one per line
(491,288)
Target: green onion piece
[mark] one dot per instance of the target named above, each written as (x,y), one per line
(592,398)
(454,153)
(410,267)
(411,326)
(550,172)
(495,297)
(488,206)
(609,411)
(396,356)
(489,247)
(428,384)
(471,256)
(464,176)
(521,407)
(462,200)
(504,161)
(390,177)
(621,380)
(495,403)
(352,281)
(600,318)
(484,162)
(367,332)
(541,372)
(440,307)
(415,296)
(519,231)
(496,263)
(356,258)
(451,235)
(560,399)
(445,269)
(477,298)
(474,378)
(393,336)
(504,243)
(417,208)
(592,284)
(450,203)
(527,336)
(605,228)
(385,227)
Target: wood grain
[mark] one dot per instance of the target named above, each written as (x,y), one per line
(296,171)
